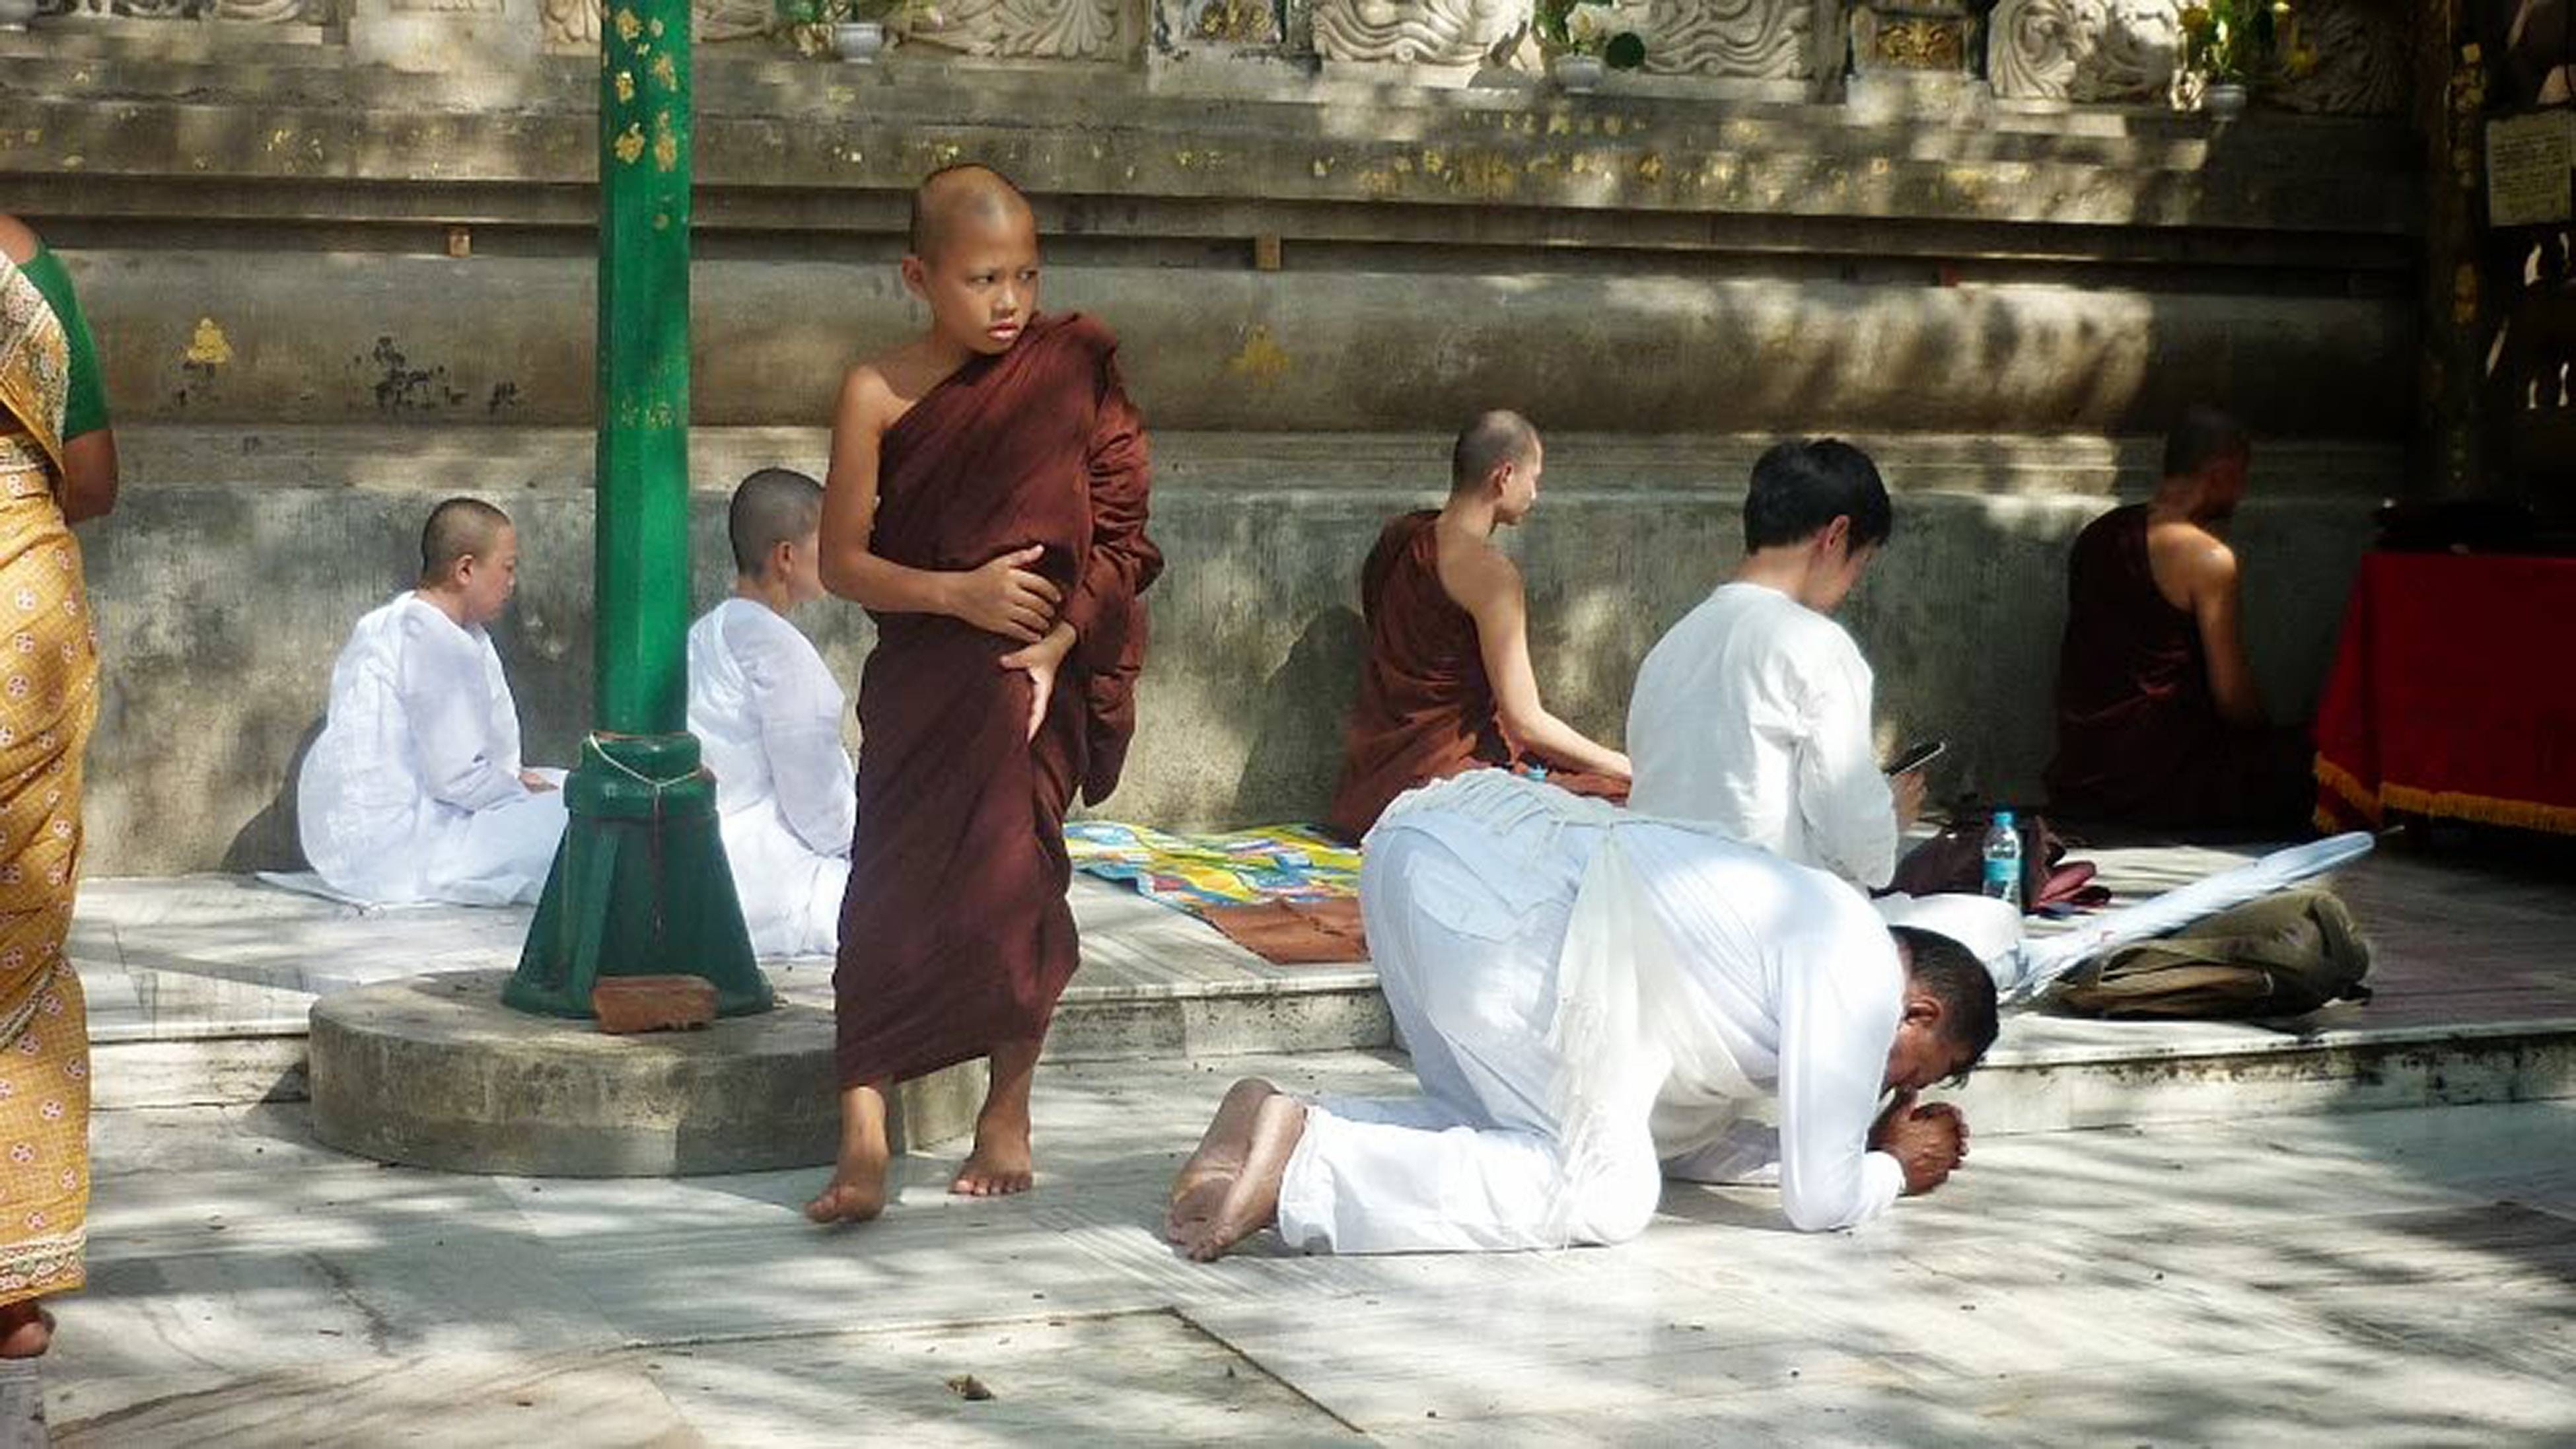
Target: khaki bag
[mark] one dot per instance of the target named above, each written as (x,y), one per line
(2285,955)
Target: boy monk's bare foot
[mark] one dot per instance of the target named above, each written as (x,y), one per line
(1251,1200)
(857,1191)
(999,1165)
(1198,1189)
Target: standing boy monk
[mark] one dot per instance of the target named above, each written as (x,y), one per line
(986,503)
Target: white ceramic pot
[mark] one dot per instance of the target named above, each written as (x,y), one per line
(14,14)
(2226,100)
(1577,72)
(858,40)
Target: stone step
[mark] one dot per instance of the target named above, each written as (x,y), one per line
(200,986)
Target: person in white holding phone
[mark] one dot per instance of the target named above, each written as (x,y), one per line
(1753,713)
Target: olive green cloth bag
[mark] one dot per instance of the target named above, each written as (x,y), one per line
(2284,955)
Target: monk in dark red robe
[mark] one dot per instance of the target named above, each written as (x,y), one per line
(991,481)
(1447,685)
(2159,722)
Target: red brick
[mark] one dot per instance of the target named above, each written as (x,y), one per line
(653,1003)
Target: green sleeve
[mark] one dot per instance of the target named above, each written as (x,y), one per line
(85,411)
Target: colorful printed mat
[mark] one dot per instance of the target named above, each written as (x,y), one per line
(1196,873)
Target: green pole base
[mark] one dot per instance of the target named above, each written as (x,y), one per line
(640,885)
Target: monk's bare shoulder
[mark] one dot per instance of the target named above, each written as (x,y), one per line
(2190,560)
(17,239)
(1476,575)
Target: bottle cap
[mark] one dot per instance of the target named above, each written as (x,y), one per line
(2004,818)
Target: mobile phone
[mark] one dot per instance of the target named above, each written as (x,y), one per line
(1918,755)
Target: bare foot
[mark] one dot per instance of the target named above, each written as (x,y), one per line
(857,1191)
(999,1165)
(1251,1200)
(26,1330)
(1198,1189)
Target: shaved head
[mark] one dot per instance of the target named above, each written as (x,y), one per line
(1493,439)
(458,529)
(955,199)
(773,506)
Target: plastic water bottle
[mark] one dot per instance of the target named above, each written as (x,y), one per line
(2002,878)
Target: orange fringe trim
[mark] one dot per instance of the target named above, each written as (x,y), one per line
(2446,804)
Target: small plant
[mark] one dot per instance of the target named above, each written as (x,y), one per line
(1597,28)
(2234,42)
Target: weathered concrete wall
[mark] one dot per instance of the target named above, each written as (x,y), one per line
(244,337)
(222,603)
(328,294)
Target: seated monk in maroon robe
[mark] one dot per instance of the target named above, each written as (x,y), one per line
(1447,686)
(2159,722)
(987,505)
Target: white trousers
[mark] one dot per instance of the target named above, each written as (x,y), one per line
(1466,947)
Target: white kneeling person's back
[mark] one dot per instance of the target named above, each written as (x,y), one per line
(767,712)
(412,792)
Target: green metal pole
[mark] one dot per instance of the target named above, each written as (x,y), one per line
(641,886)
(643,533)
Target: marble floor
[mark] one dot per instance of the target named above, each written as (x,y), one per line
(2401,1278)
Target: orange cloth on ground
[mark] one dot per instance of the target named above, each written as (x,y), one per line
(955,935)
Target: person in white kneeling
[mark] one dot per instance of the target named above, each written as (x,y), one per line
(1753,712)
(414,790)
(1594,1000)
(767,713)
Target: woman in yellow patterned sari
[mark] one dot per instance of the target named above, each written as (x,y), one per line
(57,462)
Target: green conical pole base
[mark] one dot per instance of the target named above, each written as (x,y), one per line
(640,886)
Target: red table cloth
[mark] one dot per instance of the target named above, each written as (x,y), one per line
(2453,694)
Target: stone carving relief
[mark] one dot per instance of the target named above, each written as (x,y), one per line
(2084,50)
(1238,22)
(1052,29)
(574,24)
(2362,59)
(247,12)
(1756,39)
(1416,32)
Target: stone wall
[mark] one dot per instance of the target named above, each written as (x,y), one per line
(330,290)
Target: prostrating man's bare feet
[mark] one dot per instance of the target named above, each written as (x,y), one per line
(1251,1200)
(1198,1189)
(857,1191)
(1000,1163)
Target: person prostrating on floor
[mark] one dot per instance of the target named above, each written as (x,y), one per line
(987,504)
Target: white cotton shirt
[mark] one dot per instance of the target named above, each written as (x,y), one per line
(1753,715)
(767,714)
(412,791)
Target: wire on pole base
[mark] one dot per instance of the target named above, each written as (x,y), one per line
(640,885)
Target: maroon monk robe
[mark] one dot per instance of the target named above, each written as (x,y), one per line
(2139,736)
(955,933)
(1425,709)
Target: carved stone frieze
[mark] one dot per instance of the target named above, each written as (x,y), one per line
(2362,61)
(1416,32)
(574,24)
(1752,39)
(2084,50)
(1238,22)
(244,12)
(1045,29)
